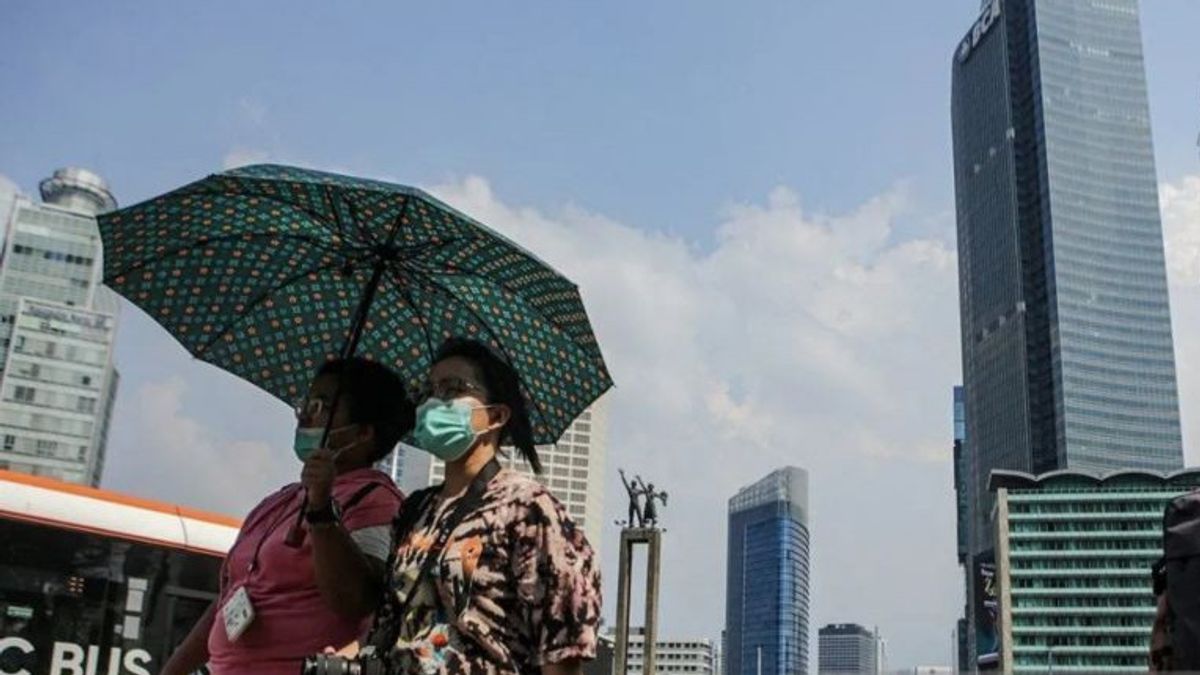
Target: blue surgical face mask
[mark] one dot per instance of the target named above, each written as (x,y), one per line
(308,440)
(444,428)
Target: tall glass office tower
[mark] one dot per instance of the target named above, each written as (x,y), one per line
(766,588)
(1066,334)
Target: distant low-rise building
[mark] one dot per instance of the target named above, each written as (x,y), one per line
(847,649)
(691,656)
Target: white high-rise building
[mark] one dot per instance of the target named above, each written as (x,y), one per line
(697,656)
(57,326)
(572,469)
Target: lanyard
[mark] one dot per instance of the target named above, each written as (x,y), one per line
(279,520)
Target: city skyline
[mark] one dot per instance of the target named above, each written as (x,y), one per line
(1068,357)
(757,206)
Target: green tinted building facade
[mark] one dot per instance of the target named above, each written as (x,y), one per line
(1073,557)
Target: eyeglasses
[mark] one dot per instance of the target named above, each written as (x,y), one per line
(311,408)
(447,388)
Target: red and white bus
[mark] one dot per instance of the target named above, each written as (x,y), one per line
(93,582)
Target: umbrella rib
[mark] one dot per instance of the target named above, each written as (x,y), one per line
(446,291)
(399,221)
(253,304)
(454,270)
(396,279)
(327,192)
(133,267)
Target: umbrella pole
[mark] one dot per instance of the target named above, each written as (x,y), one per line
(364,309)
(295,536)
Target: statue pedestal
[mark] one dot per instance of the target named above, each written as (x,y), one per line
(651,537)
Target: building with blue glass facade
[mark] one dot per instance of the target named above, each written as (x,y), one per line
(1067,352)
(767,577)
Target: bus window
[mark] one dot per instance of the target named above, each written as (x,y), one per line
(73,603)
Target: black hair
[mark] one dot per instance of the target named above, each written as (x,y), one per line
(503,386)
(374,395)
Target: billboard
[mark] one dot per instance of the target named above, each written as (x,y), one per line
(987,611)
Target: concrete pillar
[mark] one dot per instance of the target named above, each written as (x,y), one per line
(653,561)
(621,657)
(630,538)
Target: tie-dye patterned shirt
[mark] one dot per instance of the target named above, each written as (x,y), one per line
(517,586)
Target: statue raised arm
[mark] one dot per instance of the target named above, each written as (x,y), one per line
(636,519)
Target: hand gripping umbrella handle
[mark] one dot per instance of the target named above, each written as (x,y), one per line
(295,535)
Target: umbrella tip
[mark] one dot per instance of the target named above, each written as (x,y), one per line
(387,251)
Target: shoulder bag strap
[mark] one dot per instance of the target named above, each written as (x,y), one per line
(469,503)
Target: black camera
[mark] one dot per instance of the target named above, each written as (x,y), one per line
(332,664)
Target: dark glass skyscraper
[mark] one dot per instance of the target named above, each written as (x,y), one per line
(962,472)
(962,499)
(766,590)
(1066,334)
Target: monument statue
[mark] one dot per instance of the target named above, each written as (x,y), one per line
(649,511)
(641,529)
(635,495)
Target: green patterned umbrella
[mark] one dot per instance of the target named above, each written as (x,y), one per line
(267,271)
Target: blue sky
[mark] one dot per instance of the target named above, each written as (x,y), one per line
(657,115)
(648,149)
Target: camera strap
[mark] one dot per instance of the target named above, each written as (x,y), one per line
(406,521)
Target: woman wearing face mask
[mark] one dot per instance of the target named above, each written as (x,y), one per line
(308,565)
(490,574)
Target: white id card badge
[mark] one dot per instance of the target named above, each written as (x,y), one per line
(238,613)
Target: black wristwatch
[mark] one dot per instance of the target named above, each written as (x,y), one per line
(330,513)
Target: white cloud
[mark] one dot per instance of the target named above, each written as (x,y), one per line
(799,338)
(1181,232)
(1181,229)
(171,454)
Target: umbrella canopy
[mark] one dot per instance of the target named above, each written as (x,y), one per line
(267,271)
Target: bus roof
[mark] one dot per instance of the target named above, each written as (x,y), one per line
(78,507)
